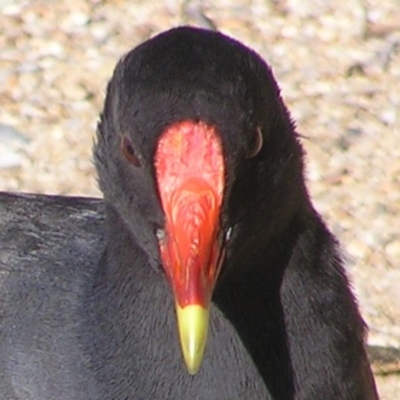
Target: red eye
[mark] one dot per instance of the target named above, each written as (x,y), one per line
(129,152)
(255,143)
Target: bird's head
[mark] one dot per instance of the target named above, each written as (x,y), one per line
(195,151)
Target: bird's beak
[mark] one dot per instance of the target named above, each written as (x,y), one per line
(190,179)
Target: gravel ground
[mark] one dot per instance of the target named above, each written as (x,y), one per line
(338,64)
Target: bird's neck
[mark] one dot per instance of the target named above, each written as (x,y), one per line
(120,307)
(124,275)
(249,296)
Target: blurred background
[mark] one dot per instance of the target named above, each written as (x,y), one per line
(338,65)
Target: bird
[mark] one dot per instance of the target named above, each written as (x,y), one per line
(204,272)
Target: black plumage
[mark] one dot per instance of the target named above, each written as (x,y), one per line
(86,310)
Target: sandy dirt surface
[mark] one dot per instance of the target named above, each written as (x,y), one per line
(338,64)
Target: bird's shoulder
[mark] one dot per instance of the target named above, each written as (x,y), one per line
(48,245)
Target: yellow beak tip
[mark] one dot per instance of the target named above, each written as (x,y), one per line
(193,327)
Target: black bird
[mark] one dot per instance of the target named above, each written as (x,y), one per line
(205,207)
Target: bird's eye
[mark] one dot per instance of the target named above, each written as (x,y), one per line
(129,152)
(255,143)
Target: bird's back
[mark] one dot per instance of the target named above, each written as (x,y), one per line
(49,247)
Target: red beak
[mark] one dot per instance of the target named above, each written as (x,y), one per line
(190,178)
